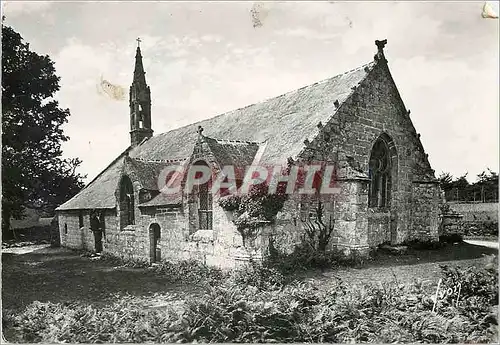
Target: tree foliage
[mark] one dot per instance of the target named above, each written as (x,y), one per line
(459,189)
(33,172)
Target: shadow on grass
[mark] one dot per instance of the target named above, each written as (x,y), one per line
(450,252)
(60,275)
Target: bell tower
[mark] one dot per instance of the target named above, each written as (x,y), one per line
(140,103)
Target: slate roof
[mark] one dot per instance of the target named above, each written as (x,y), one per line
(99,193)
(164,199)
(147,172)
(283,122)
(232,152)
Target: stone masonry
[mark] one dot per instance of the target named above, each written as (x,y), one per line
(367,110)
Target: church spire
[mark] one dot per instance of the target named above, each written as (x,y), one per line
(140,103)
(139,74)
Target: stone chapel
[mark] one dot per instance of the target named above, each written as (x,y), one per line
(355,120)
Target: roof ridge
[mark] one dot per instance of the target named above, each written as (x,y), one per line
(158,160)
(232,141)
(128,149)
(371,63)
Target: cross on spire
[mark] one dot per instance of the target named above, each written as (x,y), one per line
(138,42)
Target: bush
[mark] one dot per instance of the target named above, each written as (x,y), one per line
(185,271)
(191,272)
(481,283)
(120,322)
(304,258)
(259,303)
(258,276)
(230,202)
(298,312)
(121,261)
(480,228)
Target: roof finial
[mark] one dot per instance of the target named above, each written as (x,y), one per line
(380,53)
(138,42)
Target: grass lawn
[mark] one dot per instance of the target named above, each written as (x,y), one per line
(61,275)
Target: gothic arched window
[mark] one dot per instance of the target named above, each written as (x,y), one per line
(380,175)
(126,202)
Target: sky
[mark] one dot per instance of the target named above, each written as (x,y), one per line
(206,58)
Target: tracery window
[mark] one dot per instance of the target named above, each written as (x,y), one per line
(380,175)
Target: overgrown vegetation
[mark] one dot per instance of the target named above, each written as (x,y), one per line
(304,257)
(481,228)
(182,272)
(246,309)
(254,209)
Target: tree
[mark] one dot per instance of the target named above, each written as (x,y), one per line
(487,186)
(459,189)
(33,172)
(484,189)
(446,181)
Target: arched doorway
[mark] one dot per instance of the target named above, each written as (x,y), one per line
(154,238)
(383,172)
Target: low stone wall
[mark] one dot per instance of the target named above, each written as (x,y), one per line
(451,224)
(476,211)
(454,224)
(480,228)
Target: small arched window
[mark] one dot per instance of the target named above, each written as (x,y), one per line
(380,175)
(126,202)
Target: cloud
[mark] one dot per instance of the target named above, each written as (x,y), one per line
(306,33)
(443,57)
(17,8)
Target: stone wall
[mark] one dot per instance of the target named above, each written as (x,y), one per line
(374,108)
(346,212)
(72,236)
(378,227)
(425,212)
(487,211)
(455,224)
(451,224)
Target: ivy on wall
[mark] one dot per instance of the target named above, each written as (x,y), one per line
(254,209)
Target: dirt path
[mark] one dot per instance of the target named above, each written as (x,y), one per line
(427,273)
(25,250)
(483,243)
